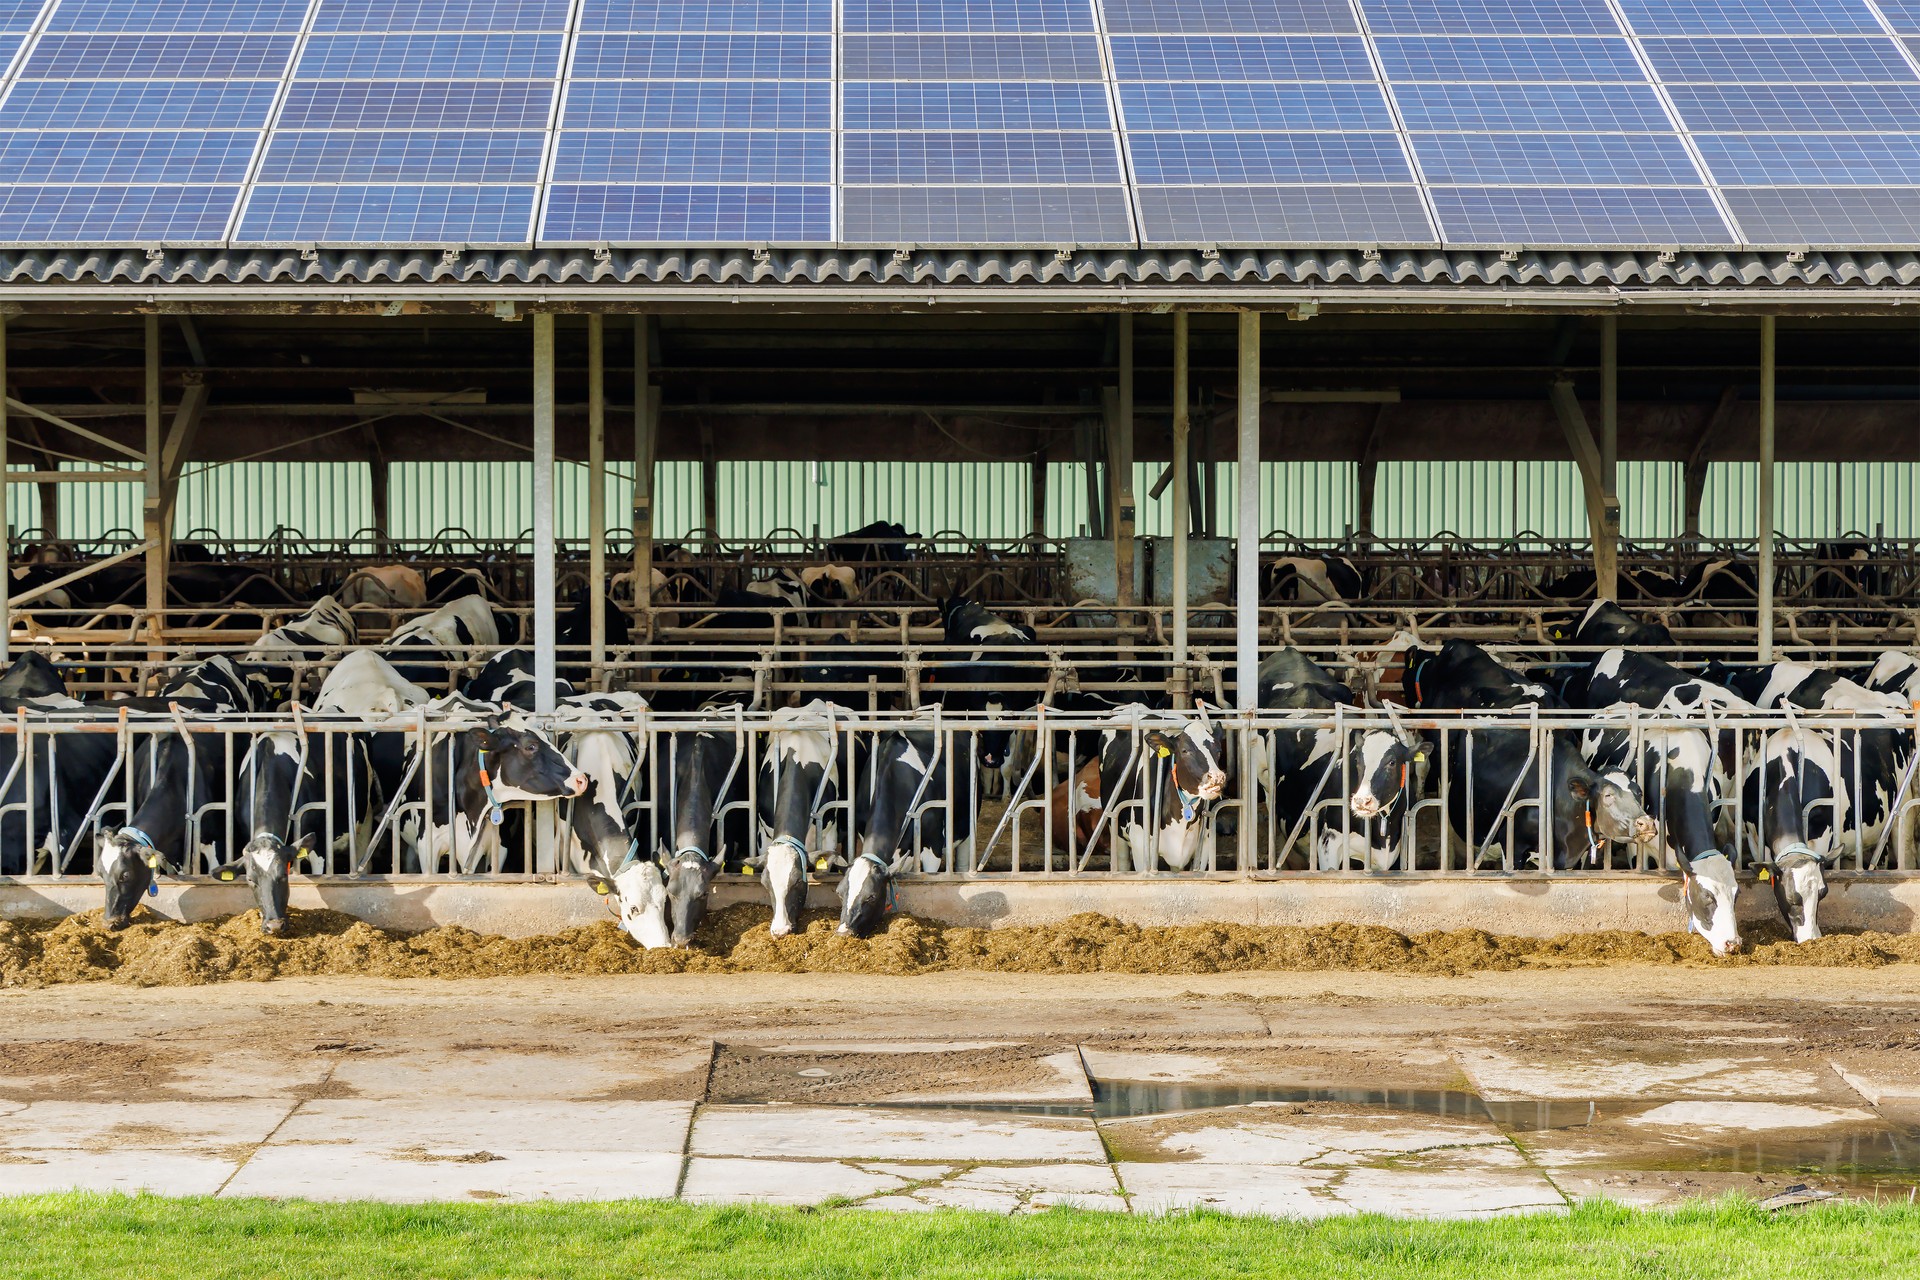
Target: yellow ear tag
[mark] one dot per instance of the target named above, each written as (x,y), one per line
(1164,753)
(600,887)
(226,875)
(1764,875)
(153,862)
(821,865)
(1420,757)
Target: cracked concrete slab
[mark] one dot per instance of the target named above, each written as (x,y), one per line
(169,1173)
(537,1071)
(1321,1135)
(1720,1117)
(141,1126)
(727,1180)
(1503,1077)
(885,1134)
(458,1123)
(1459,1194)
(1273,1190)
(366,1173)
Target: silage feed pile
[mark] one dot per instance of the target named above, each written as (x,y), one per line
(154,952)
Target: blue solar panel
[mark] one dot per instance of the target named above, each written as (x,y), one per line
(92,57)
(20,15)
(1902,15)
(488,157)
(1870,160)
(1749,17)
(1550,108)
(1844,59)
(920,57)
(155,104)
(683,104)
(1257,107)
(9,45)
(1229,17)
(1578,216)
(959,16)
(1878,216)
(1547,159)
(1797,108)
(693,158)
(1489,17)
(412,104)
(1252,159)
(1592,59)
(688,214)
(408,214)
(971,105)
(943,158)
(648,57)
(706,15)
(987,215)
(441,15)
(1322,59)
(148,157)
(526,56)
(1283,215)
(114,215)
(142,16)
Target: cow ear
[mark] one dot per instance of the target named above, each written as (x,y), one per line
(1579,788)
(228,872)
(1159,742)
(484,738)
(601,885)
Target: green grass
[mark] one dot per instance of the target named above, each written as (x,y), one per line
(88,1235)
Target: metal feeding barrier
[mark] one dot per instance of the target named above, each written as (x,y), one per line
(67,776)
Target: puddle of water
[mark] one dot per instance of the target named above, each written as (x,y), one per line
(1882,1154)
(1556,1113)
(1117,1099)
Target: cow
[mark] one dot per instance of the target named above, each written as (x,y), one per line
(475,773)
(1605,624)
(614,850)
(573,632)
(1796,801)
(1297,768)
(1322,578)
(183,775)
(799,780)
(1493,770)
(902,818)
(1160,774)
(828,584)
(987,682)
(386,587)
(881,542)
(230,685)
(427,650)
(306,639)
(507,679)
(287,792)
(1896,675)
(1709,891)
(707,783)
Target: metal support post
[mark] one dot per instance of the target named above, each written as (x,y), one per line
(6,511)
(1037,497)
(1767,350)
(597,491)
(1120,475)
(709,487)
(1182,480)
(543,567)
(1247,547)
(155,505)
(1607,557)
(645,426)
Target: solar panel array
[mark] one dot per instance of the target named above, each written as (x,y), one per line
(1129,123)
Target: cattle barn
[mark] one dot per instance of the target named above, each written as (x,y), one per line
(790,461)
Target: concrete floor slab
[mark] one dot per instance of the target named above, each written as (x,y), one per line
(849,1133)
(1000,1189)
(1748,1116)
(141,1126)
(109,1071)
(725,1180)
(170,1173)
(1502,1077)
(1273,1190)
(361,1172)
(843,1072)
(1881,1076)
(459,1124)
(545,1071)
(1418,1194)
(1320,1134)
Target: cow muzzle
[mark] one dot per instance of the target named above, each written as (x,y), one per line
(1213,786)
(1364,805)
(578,784)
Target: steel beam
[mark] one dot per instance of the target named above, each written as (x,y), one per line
(597,490)
(154,506)
(544,664)
(1607,531)
(1247,546)
(646,420)
(1120,472)
(1768,343)
(1182,500)
(1694,474)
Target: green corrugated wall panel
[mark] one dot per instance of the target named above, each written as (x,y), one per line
(990,500)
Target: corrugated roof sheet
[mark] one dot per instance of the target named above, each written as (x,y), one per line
(1342,268)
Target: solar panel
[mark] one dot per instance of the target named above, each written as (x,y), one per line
(986,215)
(1489,17)
(1755,17)
(20,15)
(688,213)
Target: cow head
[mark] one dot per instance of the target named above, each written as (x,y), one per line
(522,765)
(1612,808)
(1799,880)
(127,861)
(1198,753)
(689,881)
(1708,888)
(866,896)
(1380,765)
(784,872)
(636,894)
(266,863)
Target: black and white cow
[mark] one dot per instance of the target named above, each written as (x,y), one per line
(1606,623)
(429,649)
(1322,578)
(507,679)
(475,773)
(287,790)
(903,818)
(228,684)
(1160,774)
(1895,674)
(306,639)
(1797,805)
(609,840)
(709,782)
(1299,768)
(386,587)
(799,780)
(1493,769)
(985,680)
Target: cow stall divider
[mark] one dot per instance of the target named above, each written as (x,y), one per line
(66,776)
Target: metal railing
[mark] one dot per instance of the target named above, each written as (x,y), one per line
(1022,820)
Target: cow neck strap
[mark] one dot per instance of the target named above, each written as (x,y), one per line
(1593,845)
(495,814)
(692,851)
(792,844)
(1190,801)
